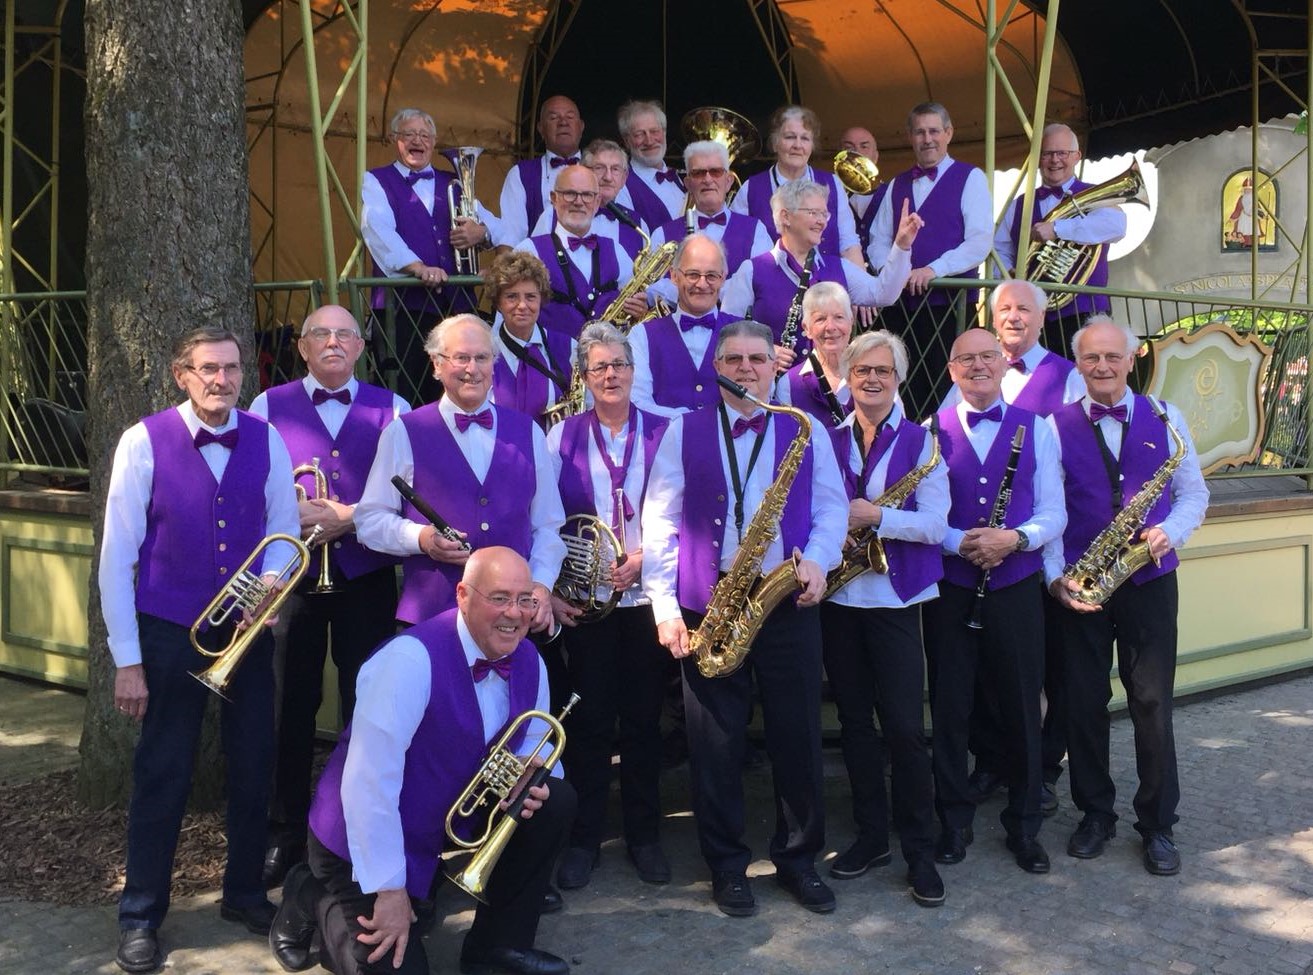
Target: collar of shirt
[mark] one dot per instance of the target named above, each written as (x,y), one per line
(310,383)
(448,409)
(939,171)
(1033,357)
(711,216)
(782,259)
(423,187)
(537,336)
(1127,400)
(963,408)
(193,422)
(894,418)
(564,236)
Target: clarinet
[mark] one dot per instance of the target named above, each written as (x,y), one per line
(790,334)
(831,401)
(424,508)
(974,618)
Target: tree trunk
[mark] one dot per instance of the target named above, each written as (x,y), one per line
(168,250)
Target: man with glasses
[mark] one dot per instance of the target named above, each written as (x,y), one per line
(586,270)
(989,619)
(407,226)
(616,217)
(331,420)
(524,193)
(432,700)
(192,492)
(711,472)
(1058,156)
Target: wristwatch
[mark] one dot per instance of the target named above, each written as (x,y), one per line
(1023,540)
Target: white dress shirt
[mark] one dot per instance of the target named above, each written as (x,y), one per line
(514,204)
(1101,226)
(696,341)
(582,257)
(381,526)
(332,413)
(878,289)
(665,505)
(841,212)
(926,525)
(128,500)
(977,218)
(1014,380)
(392,693)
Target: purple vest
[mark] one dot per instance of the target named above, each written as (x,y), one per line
(647,203)
(590,297)
(489,514)
(707,507)
(1088,493)
(805,393)
(576,478)
(737,241)
(1042,394)
(761,187)
(427,234)
(773,291)
(344,461)
(505,388)
(944,227)
(443,756)
(531,178)
(678,382)
(198,533)
(868,218)
(913,566)
(973,487)
(1083,304)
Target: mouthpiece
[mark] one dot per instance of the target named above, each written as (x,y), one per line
(740,391)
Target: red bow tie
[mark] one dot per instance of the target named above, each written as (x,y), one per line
(589,242)
(705,222)
(756,424)
(321,396)
(994,413)
(929,172)
(1098,411)
(483,666)
(204,437)
(482,418)
(413,178)
(558,161)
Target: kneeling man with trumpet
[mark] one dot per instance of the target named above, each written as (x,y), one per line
(194,490)
(428,703)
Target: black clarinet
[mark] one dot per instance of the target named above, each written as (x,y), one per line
(424,508)
(789,336)
(974,618)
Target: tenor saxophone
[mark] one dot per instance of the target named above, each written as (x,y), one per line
(741,601)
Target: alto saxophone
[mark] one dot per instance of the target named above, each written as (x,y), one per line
(1116,552)
(743,599)
(571,404)
(866,550)
(649,267)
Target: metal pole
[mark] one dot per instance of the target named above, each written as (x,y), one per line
(321,160)
(1037,132)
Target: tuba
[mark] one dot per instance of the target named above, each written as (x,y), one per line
(324,583)
(858,174)
(591,546)
(743,598)
(1116,553)
(493,783)
(1066,262)
(463,160)
(729,128)
(248,594)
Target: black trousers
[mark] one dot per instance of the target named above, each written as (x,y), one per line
(509,919)
(358,617)
(618,668)
(876,667)
(929,331)
(1009,652)
(786,662)
(1142,622)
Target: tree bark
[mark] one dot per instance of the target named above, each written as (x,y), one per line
(168,250)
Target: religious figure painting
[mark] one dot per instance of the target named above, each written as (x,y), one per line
(1247,216)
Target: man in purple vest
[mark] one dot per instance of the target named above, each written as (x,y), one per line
(989,618)
(708,480)
(865,205)
(407,225)
(192,492)
(615,217)
(1058,156)
(524,193)
(656,189)
(586,269)
(953,199)
(332,421)
(674,356)
(1113,442)
(431,701)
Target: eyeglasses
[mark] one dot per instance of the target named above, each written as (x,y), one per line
(1057,153)
(502,601)
(693,277)
(320,334)
(463,359)
(599,370)
(756,359)
(574,196)
(814,213)
(715,172)
(420,136)
(211,371)
(988,357)
(880,372)
(1093,358)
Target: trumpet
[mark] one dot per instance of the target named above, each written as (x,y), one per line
(324,584)
(246,592)
(463,160)
(493,783)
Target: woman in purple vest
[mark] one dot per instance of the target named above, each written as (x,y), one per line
(794,131)
(871,628)
(617,665)
(532,369)
(818,384)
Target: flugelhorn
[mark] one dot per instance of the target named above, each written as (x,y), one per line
(255,600)
(324,584)
(492,784)
(463,160)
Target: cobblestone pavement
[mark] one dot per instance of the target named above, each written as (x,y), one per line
(1241,905)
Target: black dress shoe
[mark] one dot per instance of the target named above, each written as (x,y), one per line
(859,858)
(925,883)
(527,961)
(952,844)
(139,950)
(292,935)
(1030,856)
(258,918)
(279,858)
(1091,836)
(733,894)
(983,783)
(1048,798)
(576,867)
(1160,854)
(552,901)
(650,862)
(808,889)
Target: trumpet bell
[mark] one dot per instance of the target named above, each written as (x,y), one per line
(858,174)
(725,126)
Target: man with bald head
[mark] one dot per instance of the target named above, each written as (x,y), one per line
(445,687)
(615,217)
(1059,154)
(332,421)
(524,193)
